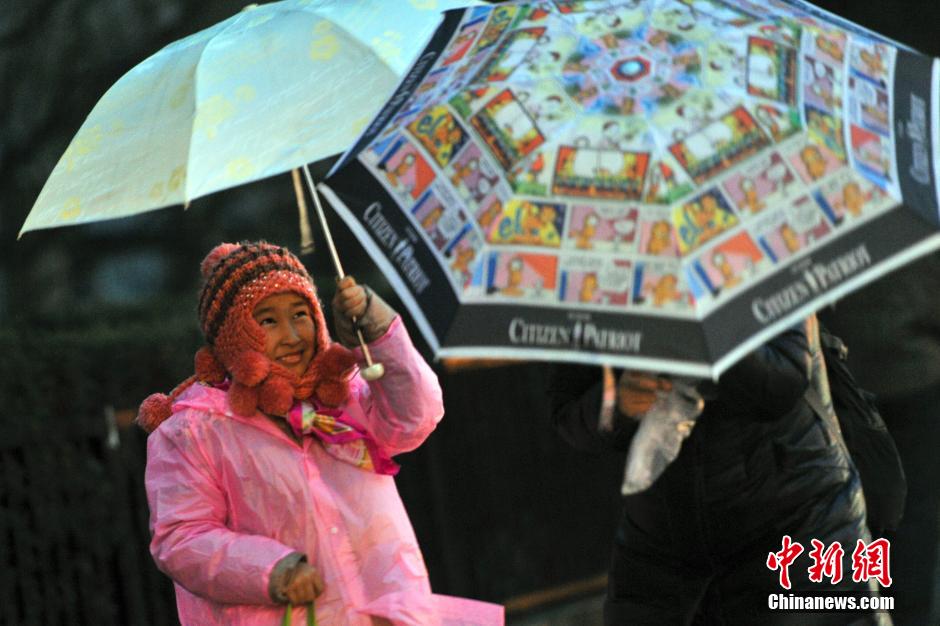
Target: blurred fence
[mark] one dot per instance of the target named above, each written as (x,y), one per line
(501,507)
(73,517)
(73,531)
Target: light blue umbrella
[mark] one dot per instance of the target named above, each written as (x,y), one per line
(265,91)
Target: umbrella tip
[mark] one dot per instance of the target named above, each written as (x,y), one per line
(249,7)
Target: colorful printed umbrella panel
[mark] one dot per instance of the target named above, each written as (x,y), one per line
(656,183)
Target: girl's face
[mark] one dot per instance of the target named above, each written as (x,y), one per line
(289,329)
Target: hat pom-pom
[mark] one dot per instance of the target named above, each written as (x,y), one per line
(242,399)
(250,368)
(332,392)
(334,368)
(276,395)
(208,368)
(153,411)
(215,255)
(337,360)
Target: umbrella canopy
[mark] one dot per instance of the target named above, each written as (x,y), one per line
(271,88)
(659,184)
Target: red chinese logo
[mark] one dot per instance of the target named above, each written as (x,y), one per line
(826,563)
(782,560)
(869,561)
(872,561)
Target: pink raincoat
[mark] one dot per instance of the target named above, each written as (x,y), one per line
(230,496)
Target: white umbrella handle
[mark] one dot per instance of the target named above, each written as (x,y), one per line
(373,371)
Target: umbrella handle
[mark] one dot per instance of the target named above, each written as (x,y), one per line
(372,371)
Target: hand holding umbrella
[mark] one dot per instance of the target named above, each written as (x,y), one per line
(667,410)
(638,391)
(360,317)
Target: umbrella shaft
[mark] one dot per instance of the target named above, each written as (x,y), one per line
(326,229)
(339,266)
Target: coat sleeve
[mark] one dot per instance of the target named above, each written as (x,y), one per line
(770,381)
(574,393)
(404,406)
(190,541)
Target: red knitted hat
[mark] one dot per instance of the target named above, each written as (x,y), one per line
(237,277)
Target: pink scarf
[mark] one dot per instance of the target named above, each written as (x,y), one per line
(341,437)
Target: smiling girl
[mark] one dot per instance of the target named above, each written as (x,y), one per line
(269,472)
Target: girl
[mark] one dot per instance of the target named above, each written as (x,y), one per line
(269,472)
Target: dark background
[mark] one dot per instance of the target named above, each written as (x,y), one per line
(94,318)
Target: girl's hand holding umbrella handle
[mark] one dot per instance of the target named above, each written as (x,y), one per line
(373,371)
(360,317)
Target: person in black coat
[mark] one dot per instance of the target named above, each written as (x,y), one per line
(892,330)
(758,465)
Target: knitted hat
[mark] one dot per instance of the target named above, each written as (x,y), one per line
(238,277)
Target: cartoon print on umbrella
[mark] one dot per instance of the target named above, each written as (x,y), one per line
(525,222)
(406,170)
(464,255)
(658,236)
(605,174)
(765,182)
(845,198)
(711,145)
(701,219)
(522,275)
(779,123)
(821,89)
(660,285)
(606,282)
(871,106)
(472,175)
(439,132)
(729,264)
(814,162)
(781,234)
(771,70)
(507,128)
(732,138)
(601,227)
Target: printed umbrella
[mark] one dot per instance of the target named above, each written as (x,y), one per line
(267,90)
(658,184)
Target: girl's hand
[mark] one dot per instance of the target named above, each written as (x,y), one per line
(372,314)
(637,391)
(305,584)
(350,298)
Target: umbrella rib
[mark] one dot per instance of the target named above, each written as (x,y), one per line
(235,19)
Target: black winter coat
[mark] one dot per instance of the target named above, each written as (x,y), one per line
(758,465)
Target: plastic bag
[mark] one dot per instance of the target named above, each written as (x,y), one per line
(659,437)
